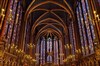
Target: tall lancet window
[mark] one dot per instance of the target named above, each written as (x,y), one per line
(82,31)
(86,29)
(42,52)
(16,24)
(12,21)
(88,24)
(56,58)
(8,25)
(49,50)
(50,42)
(90,20)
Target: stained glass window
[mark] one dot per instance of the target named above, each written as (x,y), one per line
(13,21)
(55,57)
(7,27)
(91,26)
(48,48)
(50,42)
(44,50)
(19,25)
(56,51)
(90,19)
(15,24)
(87,24)
(41,54)
(80,31)
(86,29)
(50,51)
(72,38)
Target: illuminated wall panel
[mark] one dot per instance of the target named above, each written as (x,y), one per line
(81,31)
(44,50)
(86,29)
(16,24)
(87,22)
(50,51)
(13,14)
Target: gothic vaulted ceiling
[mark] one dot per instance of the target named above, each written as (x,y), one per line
(49,17)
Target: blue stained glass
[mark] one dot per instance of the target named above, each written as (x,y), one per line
(80,30)
(87,22)
(41,52)
(83,30)
(50,50)
(57,51)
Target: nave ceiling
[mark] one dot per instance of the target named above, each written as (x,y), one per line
(49,16)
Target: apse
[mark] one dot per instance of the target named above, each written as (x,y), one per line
(49,50)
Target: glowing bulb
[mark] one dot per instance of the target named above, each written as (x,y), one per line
(3,10)
(97,15)
(10,10)
(70,45)
(17,14)
(10,19)
(79,51)
(94,12)
(76,51)
(67,46)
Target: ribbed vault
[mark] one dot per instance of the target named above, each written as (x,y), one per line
(50,12)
